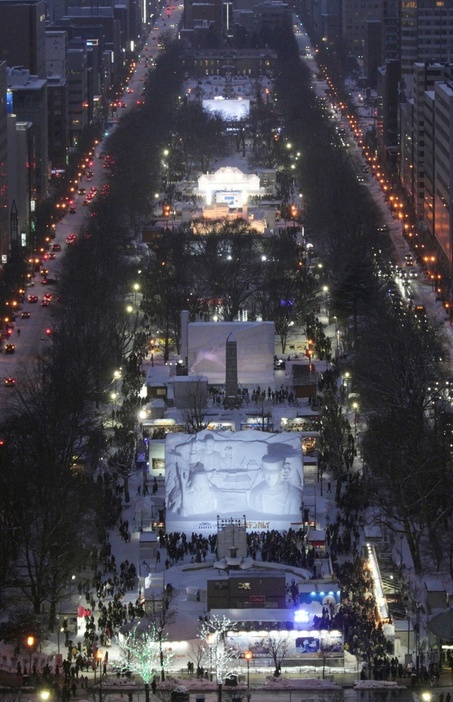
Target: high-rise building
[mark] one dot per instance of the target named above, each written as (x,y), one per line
(372,55)
(22,35)
(78,95)
(21,178)
(354,15)
(439,161)
(412,130)
(387,112)
(4,226)
(57,122)
(29,104)
(426,32)
(391,25)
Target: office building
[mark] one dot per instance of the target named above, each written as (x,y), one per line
(412,128)
(21,177)
(4,216)
(22,35)
(438,120)
(426,32)
(29,104)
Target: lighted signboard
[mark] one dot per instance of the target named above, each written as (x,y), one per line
(308,643)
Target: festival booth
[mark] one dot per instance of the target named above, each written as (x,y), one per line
(221,425)
(316,538)
(260,630)
(305,380)
(258,422)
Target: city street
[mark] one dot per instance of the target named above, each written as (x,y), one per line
(31,335)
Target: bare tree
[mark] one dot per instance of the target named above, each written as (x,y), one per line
(278,646)
(195,414)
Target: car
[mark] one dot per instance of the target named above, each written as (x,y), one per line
(52,257)
(82,191)
(420,313)
(9,382)
(10,348)
(45,303)
(32,298)
(72,210)
(383,229)
(44,271)
(47,296)
(70,239)
(25,315)
(56,248)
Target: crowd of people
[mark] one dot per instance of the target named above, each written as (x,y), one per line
(286,547)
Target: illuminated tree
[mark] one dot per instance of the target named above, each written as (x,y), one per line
(218,654)
(143,653)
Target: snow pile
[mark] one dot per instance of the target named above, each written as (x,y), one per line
(377,685)
(301,684)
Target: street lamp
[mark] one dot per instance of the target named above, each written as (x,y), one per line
(116,377)
(136,288)
(325,290)
(44,695)
(248,657)
(355,407)
(346,385)
(30,644)
(99,661)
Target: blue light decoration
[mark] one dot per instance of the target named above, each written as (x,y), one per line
(306,598)
(301,616)
(9,102)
